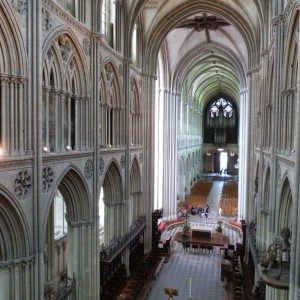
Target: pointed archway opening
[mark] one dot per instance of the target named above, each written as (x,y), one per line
(16,257)
(68,239)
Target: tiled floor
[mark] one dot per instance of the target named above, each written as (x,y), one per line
(204,269)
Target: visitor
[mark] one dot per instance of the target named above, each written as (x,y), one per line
(220,212)
(199,211)
(206,210)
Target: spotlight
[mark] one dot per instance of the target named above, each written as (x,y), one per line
(45,149)
(69,148)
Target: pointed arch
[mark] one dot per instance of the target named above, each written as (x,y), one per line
(113,203)
(265,209)
(13,85)
(67,254)
(112,184)
(285,206)
(290,76)
(16,255)
(266,197)
(136,208)
(75,192)
(13,56)
(112,107)
(67,105)
(135,114)
(14,229)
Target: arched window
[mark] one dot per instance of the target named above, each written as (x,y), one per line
(221,106)
(60,223)
(134,43)
(221,124)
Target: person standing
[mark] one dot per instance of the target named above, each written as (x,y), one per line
(206,210)
(220,212)
(199,211)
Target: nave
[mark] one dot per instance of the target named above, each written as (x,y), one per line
(203,267)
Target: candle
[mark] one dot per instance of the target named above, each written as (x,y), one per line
(190,287)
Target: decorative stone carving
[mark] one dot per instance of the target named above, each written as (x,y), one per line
(23,184)
(80,224)
(88,169)
(47,22)
(123,161)
(86,47)
(20,6)
(72,65)
(109,73)
(48,179)
(121,70)
(141,157)
(101,166)
(65,47)
(7,266)
(275,252)
(200,23)
(132,84)
(100,58)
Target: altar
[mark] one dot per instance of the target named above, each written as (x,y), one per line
(207,236)
(201,232)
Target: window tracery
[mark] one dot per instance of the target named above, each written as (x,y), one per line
(221,106)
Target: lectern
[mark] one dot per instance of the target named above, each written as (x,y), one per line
(171,293)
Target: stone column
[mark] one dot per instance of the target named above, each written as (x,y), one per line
(12,115)
(47,91)
(77,123)
(278,26)
(108,128)
(261,143)
(81,122)
(68,98)
(170,154)
(104,125)
(22,105)
(148,96)
(243,154)
(165,150)
(295,241)
(87,122)
(62,97)
(56,139)
(4,115)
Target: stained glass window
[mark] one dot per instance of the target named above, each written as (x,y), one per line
(221,106)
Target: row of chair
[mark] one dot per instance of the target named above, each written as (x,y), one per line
(194,247)
(238,293)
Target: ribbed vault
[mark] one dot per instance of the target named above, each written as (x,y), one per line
(207,48)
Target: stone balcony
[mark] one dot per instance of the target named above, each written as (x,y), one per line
(271,268)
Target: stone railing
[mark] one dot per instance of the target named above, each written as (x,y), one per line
(117,246)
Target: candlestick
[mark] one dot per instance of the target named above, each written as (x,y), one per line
(190,287)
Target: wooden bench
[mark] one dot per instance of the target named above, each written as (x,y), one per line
(156,272)
(147,287)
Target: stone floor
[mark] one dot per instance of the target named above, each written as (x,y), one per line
(195,275)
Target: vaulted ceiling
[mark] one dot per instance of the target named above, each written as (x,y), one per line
(207,45)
